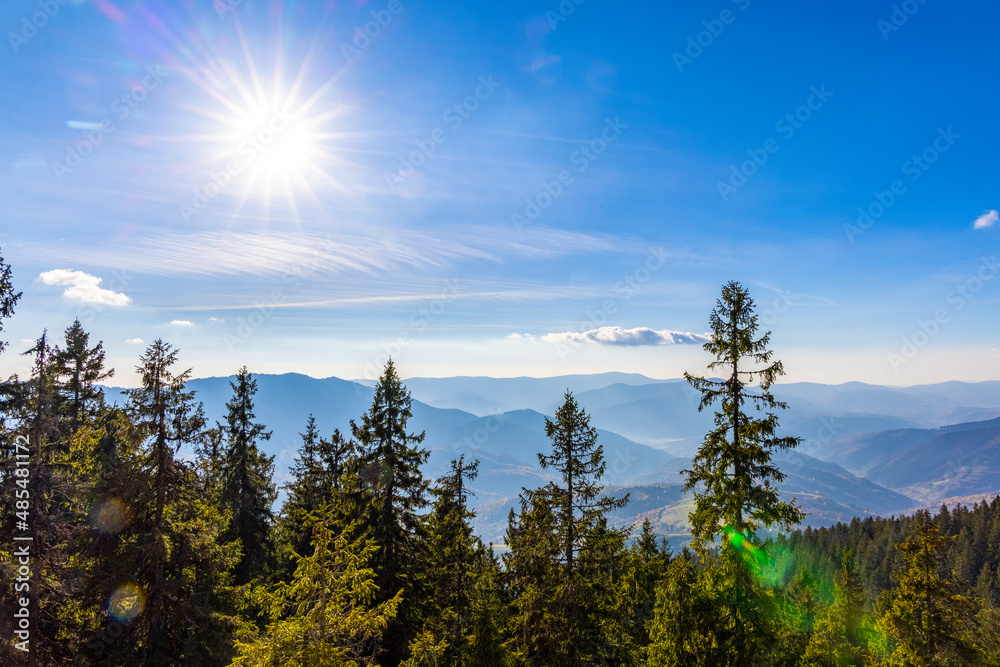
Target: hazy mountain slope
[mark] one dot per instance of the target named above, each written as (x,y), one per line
(507,444)
(866,429)
(485,395)
(929,464)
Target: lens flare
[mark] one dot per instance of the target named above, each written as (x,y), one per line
(127,602)
(110,515)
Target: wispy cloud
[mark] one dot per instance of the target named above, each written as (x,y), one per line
(627,337)
(986,220)
(239,253)
(181,323)
(83,287)
(134,341)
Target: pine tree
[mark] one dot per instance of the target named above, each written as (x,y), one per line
(176,551)
(79,369)
(538,623)
(323,474)
(577,620)
(247,491)
(393,492)
(839,639)
(649,562)
(40,496)
(8,297)
(329,614)
(106,452)
(452,548)
(929,622)
(732,474)
(209,460)
(489,604)
(687,622)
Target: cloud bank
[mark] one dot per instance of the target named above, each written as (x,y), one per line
(83,287)
(627,337)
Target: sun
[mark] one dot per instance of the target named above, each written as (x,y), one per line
(270,134)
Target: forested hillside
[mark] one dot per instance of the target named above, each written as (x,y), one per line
(118,551)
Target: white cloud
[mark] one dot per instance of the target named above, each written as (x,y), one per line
(518,336)
(134,341)
(83,287)
(986,220)
(627,337)
(181,323)
(215,319)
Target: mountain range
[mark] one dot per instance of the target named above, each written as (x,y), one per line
(867,450)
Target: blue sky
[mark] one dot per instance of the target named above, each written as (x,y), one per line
(520,188)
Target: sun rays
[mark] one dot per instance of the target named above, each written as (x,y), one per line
(265,131)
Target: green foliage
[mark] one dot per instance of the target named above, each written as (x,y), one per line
(732,474)
(564,561)
(144,559)
(390,492)
(452,548)
(8,297)
(684,628)
(78,369)
(247,490)
(174,549)
(323,474)
(328,614)
(926,619)
(840,637)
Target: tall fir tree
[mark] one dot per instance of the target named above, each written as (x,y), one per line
(840,636)
(324,473)
(394,491)
(578,625)
(928,621)
(247,489)
(79,369)
(687,625)
(8,297)
(489,642)
(733,474)
(329,614)
(178,555)
(452,549)
(40,490)
(538,625)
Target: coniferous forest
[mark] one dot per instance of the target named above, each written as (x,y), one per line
(118,551)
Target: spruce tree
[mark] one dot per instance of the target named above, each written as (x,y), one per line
(576,621)
(839,639)
(732,474)
(649,560)
(39,491)
(392,493)
(247,488)
(8,297)
(539,623)
(929,622)
(489,611)
(177,554)
(687,620)
(79,369)
(452,549)
(329,614)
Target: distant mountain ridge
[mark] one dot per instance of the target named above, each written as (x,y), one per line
(861,454)
(929,464)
